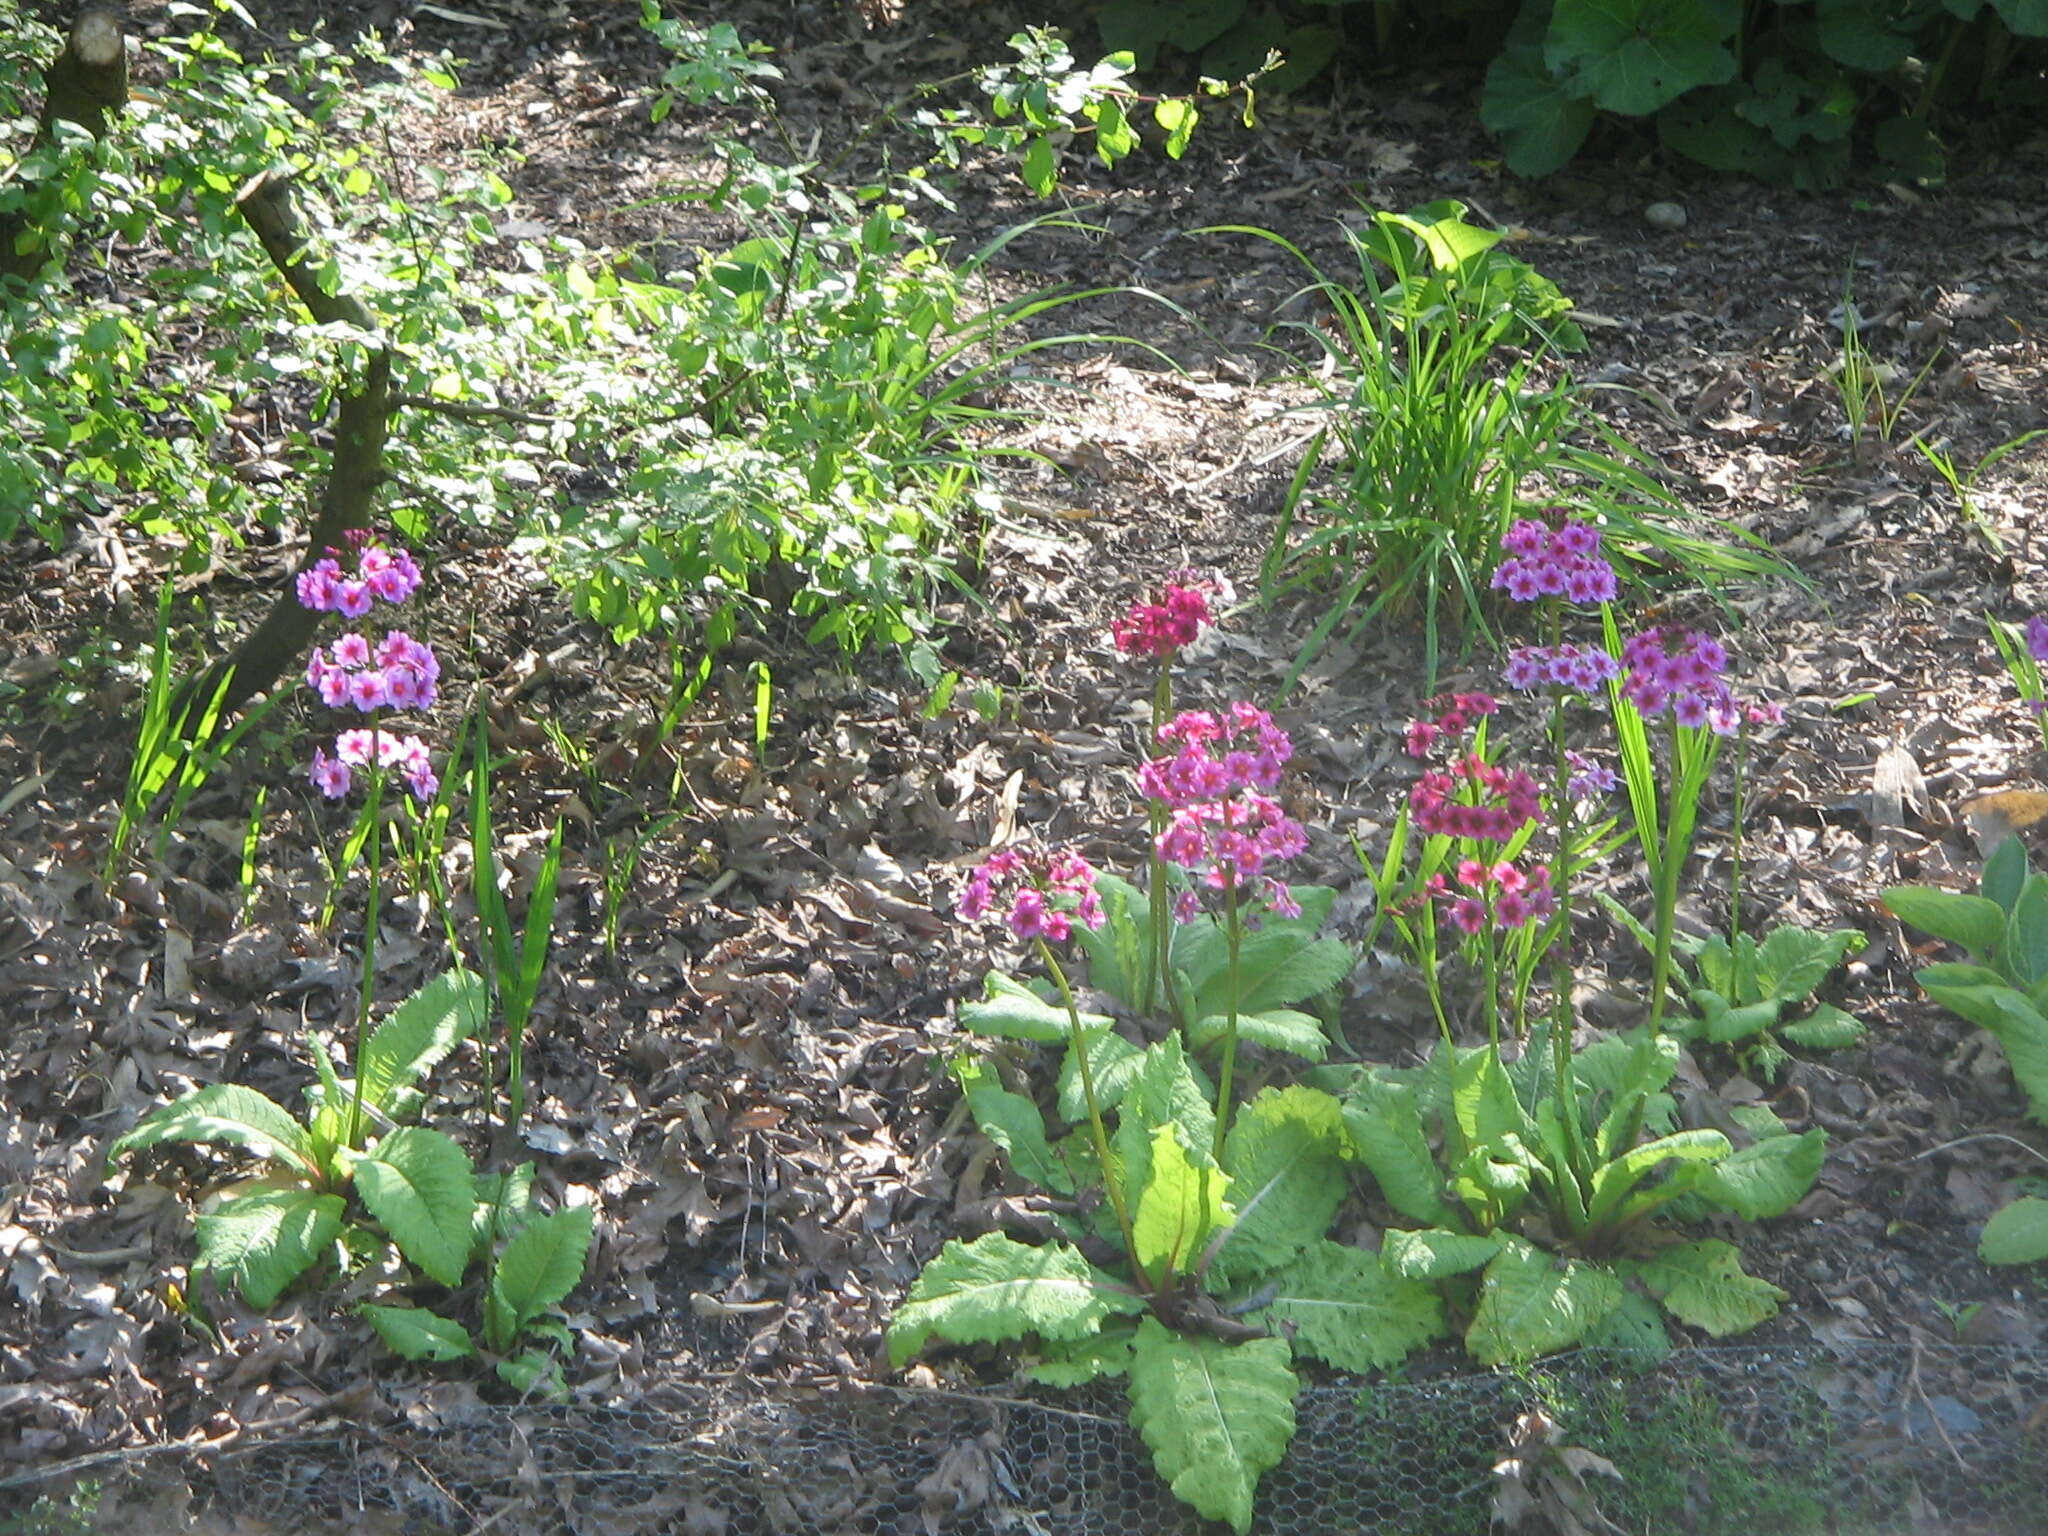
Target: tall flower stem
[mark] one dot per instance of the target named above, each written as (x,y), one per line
(1561,972)
(1097,1135)
(1156,893)
(374,811)
(1234,933)
(1735,834)
(1666,891)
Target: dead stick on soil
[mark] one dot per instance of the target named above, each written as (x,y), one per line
(1913,1380)
(1964,1141)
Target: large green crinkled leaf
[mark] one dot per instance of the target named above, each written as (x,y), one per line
(414,1333)
(419,1033)
(2023,954)
(227,1113)
(1013,1011)
(1285,1154)
(1704,1284)
(2029,18)
(1166,1087)
(1483,1100)
(420,1185)
(265,1240)
(1112,1058)
(1768,1177)
(1434,1254)
(1073,1365)
(539,1267)
(1613,1181)
(1346,1309)
(2016,1235)
(1387,1134)
(996,1288)
(1180,1207)
(1975,922)
(2023,1034)
(1633,1328)
(1217,1416)
(1791,963)
(1116,950)
(1277,1029)
(1541,121)
(1531,1303)
(1013,1123)
(1633,56)
(1827,1028)
(1276,966)
(504,1204)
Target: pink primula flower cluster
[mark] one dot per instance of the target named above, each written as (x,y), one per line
(1037,877)
(1473,798)
(1565,562)
(1455,714)
(1501,893)
(397,672)
(1179,615)
(1224,822)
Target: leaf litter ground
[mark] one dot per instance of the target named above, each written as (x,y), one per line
(752,1092)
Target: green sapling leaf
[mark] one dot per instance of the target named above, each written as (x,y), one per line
(418,1183)
(417,1334)
(265,1240)
(539,1267)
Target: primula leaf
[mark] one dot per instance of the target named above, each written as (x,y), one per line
(1217,1416)
(504,1204)
(1112,1058)
(263,1241)
(2016,1235)
(1180,1207)
(1285,1154)
(1791,963)
(1165,1089)
(1434,1254)
(417,1334)
(1975,922)
(996,1288)
(1387,1134)
(1613,1181)
(1116,950)
(1484,1102)
(1013,1011)
(2023,1035)
(1531,1304)
(1973,992)
(1072,1365)
(539,1267)
(420,1032)
(2024,955)
(1013,1123)
(1827,1028)
(1348,1310)
(1705,1285)
(1635,55)
(418,1183)
(1277,1029)
(1276,967)
(1633,1328)
(1541,121)
(1768,1177)
(2005,872)
(227,1113)
(1726,1025)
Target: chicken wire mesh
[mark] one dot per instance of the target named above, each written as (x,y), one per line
(1878,1440)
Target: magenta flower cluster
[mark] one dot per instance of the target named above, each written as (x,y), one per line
(1038,877)
(1160,628)
(1474,799)
(1223,822)
(1455,714)
(1581,669)
(397,672)
(1565,562)
(1502,894)
(1679,669)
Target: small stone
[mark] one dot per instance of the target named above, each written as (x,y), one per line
(1664,216)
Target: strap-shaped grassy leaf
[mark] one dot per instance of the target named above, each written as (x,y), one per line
(1531,1303)
(1178,1209)
(1285,1154)
(265,1240)
(1766,1178)
(996,1288)
(417,1334)
(1216,1416)
(1704,1284)
(2016,1235)
(224,1113)
(1635,55)
(539,1267)
(1347,1309)
(419,1184)
(420,1032)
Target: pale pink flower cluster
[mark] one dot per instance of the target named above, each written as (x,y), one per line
(398,672)
(359,748)
(1564,563)
(381,575)
(1037,877)
(1218,786)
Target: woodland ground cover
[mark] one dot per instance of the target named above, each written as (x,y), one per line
(747,848)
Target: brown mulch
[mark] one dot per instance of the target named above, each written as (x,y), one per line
(751,1089)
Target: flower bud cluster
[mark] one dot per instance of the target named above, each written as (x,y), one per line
(1455,715)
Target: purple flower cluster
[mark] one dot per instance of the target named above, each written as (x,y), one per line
(1037,877)
(1579,668)
(1590,778)
(2037,637)
(1218,785)
(1161,628)
(1563,563)
(1679,669)
(397,672)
